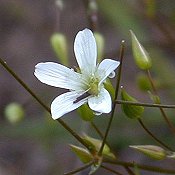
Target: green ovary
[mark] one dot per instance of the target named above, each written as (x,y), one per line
(93,86)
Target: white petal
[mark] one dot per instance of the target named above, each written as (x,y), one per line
(106,67)
(58,75)
(101,103)
(65,103)
(85,50)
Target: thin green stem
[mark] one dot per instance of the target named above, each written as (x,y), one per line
(144,104)
(111,170)
(143,167)
(4,64)
(169,123)
(97,130)
(79,169)
(152,135)
(116,94)
(101,136)
(151,81)
(171,126)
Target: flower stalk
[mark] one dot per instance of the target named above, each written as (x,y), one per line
(169,123)
(80,169)
(145,104)
(143,167)
(116,95)
(153,136)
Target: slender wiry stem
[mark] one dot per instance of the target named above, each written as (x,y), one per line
(151,81)
(79,169)
(102,136)
(143,167)
(153,136)
(4,64)
(144,104)
(170,125)
(111,170)
(129,170)
(116,94)
(97,130)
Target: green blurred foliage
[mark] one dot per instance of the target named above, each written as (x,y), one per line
(14,113)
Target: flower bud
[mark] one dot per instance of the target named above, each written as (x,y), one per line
(100,45)
(95,145)
(82,153)
(154,98)
(59,45)
(14,113)
(131,111)
(143,82)
(151,151)
(141,56)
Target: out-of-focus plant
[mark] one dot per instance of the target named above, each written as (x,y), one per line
(14,113)
(59,45)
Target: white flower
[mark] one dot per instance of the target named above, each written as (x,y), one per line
(86,85)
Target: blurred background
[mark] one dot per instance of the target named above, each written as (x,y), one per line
(35,144)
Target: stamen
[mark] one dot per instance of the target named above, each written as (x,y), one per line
(81,97)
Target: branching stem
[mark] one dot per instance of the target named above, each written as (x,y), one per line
(4,64)
(170,125)
(116,94)
(111,170)
(144,104)
(153,136)
(79,169)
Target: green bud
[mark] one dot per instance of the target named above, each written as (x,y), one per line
(59,45)
(95,145)
(85,113)
(151,151)
(131,111)
(100,45)
(154,98)
(141,56)
(14,113)
(143,82)
(82,153)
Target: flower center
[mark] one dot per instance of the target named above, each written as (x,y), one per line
(93,86)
